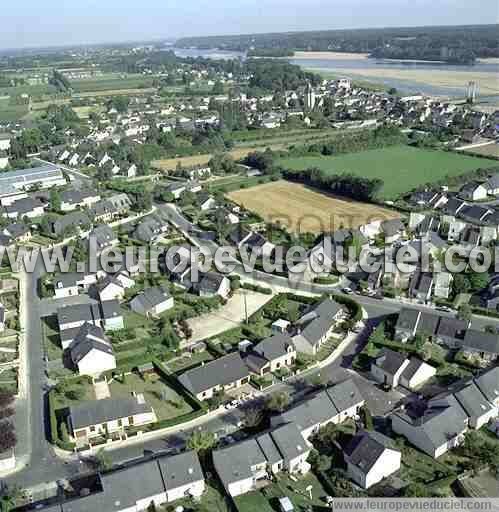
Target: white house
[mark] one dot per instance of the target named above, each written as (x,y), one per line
(92,352)
(370,457)
(152,301)
(241,466)
(439,428)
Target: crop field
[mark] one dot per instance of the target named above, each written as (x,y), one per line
(170,164)
(303,210)
(113,84)
(10,112)
(402,168)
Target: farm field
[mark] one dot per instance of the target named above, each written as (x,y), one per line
(81,86)
(9,112)
(402,168)
(304,210)
(170,164)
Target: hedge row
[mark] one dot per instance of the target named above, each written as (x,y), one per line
(54,425)
(256,288)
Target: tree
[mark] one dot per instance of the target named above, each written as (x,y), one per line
(6,398)
(318,462)
(464,312)
(253,417)
(8,437)
(218,88)
(277,402)
(103,461)
(201,441)
(55,200)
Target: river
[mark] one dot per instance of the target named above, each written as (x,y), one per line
(420,75)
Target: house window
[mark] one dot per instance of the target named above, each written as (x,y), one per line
(120,423)
(92,429)
(130,420)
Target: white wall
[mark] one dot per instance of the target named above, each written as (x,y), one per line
(192,489)
(96,363)
(240,487)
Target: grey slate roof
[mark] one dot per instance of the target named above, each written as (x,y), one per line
(488,383)
(344,395)
(122,489)
(152,297)
(390,361)
(312,411)
(407,319)
(89,337)
(99,411)
(23,206)
(274,347)
(222,371)
(78,312)
(473,401)
(481,341)
(211,281)
(451,327)
(233,463)
(289,441)
(365,449)
(412,368)
(78,219)
(180,470)
(268,448)
(442,420)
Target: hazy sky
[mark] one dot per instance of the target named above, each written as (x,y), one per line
(61,22)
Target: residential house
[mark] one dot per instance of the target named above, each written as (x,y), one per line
(18,232)
(371,457)
(481,345)
(70,318)
(91,351)
(392,230)
(102,237)
(98,417)
(333,405)
(206,202)
(492,185)
(271,355)
(213,284)
(316,326)
(488,384)
(421,286)
(70,223)
(473,191)
(103,211)
(451,331)
(109,288)
(152,301)
(442,284)
(223,374)
(440,427)
(150,229)
(121,202)
(476,405)
(252,241)
(25,207)
(241,466)
(73,199)
(416,373)
(388,367)
(280,326)
(70,284)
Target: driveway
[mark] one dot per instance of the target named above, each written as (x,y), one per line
(227,317)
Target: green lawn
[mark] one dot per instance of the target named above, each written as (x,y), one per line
(165,401)
(51,338)
(266,500)
(402,168)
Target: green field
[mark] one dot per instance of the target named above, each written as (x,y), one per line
(402,168)
(113,84)
(10,112)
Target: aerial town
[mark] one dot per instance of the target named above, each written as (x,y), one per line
(161,383)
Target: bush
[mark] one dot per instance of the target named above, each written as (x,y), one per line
(256,288)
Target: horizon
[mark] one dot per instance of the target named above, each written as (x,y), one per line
(52,27)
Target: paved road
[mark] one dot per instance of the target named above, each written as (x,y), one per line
(42,464)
